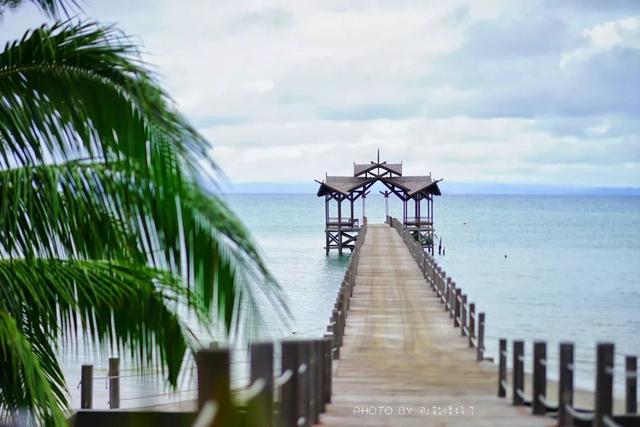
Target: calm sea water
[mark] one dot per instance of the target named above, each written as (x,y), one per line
(571,271)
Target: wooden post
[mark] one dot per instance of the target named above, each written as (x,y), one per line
(261,411)
(114,383)
(631,384)
(502,367)
(289,390)
(463,316)
(565,387)
(480,347)
(538,407)
(340,224)
(447,294)
(86,386)
(214,383)
(604,384)
(337,333)
(312,363)
(327,368)
(456,314)
(518,372)
(319,376)
(472,323)
(303,416)
(452,301)
(341,322)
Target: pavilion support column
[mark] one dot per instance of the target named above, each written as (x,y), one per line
(404,212)
(352,199)
(326,210)
(340,225)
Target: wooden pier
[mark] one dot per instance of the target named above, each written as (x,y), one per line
(402,362)
(404,347)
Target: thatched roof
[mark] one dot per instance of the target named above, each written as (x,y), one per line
(408,185)
(361,169)
(415,184)
(342,184)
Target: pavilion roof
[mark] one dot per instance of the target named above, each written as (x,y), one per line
(342,184)
(409,185)
(361,169)
(415,184)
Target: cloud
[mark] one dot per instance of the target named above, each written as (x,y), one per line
(487,90)
(623,33)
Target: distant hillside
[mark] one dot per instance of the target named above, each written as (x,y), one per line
(447,187)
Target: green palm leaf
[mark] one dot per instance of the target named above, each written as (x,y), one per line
(104,221)
(24,382)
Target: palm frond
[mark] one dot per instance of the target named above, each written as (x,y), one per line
(24,380)
(90,210)
(53,8)
(105,225)
(115,302)
(67,211)
(76,88)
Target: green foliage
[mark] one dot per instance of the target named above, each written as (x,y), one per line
(105,223)
(50,7)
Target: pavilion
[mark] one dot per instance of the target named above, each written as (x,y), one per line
(341,230)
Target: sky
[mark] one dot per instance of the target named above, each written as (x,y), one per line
(521,92)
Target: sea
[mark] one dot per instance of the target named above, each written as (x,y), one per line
(551,268)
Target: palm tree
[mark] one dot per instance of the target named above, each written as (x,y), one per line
(105,224)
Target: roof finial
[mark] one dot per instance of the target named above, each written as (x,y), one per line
(378,155)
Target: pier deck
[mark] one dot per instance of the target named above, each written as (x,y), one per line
(402,360)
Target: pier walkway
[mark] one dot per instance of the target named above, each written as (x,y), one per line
(402,363)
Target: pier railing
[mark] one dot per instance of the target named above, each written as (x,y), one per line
(461,311)
(338,320)
(565,411)
(294,397)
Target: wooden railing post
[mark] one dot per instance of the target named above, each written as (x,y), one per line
(480,346)
(261,411)
(604,384)
(312,364)
(86,386)
(337,328)
(214,383)
(319,375)
(538,406)
(114,382)
(456,313)
(472,323)
(303,397)
(328,367)
(565,386)
(289,390)
(463,316)
(631,384)
(452,298)
(502,367)
(447,292)
(518,372)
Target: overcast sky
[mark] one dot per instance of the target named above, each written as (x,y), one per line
(499,91)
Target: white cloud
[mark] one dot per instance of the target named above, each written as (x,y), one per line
(466,89)
(623,33)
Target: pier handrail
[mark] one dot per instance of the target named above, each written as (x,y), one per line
(455,303)
(460,309)
(296,395)
(567,413)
